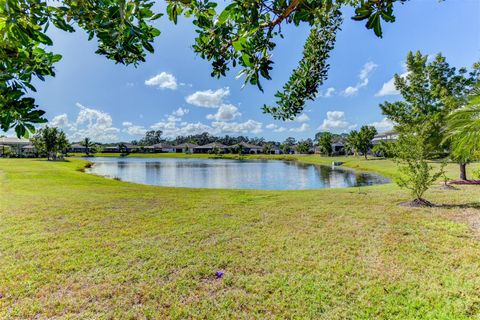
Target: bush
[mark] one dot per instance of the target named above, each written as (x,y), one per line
(416,173)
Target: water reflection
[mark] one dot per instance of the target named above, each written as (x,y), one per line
(231,174)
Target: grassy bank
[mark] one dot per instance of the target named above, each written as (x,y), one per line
(73,245)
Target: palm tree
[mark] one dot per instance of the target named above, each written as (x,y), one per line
(87,143)
(464,132)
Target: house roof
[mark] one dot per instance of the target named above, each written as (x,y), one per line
(186,145)
(248,145)
(386,134)
(77,145)
(14,141)
(212,145)
(28,147)
(161,146)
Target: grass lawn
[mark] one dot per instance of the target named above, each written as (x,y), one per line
(74,245)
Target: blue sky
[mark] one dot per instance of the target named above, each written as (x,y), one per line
(173,90)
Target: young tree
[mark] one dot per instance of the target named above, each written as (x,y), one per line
(325,143)
(463,132)
(384,149)
(352,142)
(241,34)
(416,173)
(364,139)
(123,149)
(430,91)
(87,143)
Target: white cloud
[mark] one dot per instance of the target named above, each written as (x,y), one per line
(383,125)
(163,80)
(363,76)
(135,130)
(250,126)
(208,98)
(304,127)
(388,88)
(335,120)
(92,123)
(127,124)
(60,121)
(172,118)
(226,112)
(328,93)
(180,112)
(350,91)
(275,128)
(302,118)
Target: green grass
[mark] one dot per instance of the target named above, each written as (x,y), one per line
(74,245)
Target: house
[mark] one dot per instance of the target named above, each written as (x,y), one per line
(249,148)
(275,150)
(77,148)
(160,147)
(338,148)
(387,136)
(132,147)
(14,144)
(211,147)
(29,151)
(185,147)
(111,149)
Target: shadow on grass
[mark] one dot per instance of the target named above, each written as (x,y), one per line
(471,205)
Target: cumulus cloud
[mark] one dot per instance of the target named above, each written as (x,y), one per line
(327,93)
(335,120)
(304,127)
(60,121)
(302,118)
(180,112)
(92,123)
(249,126)
(363,76)
(163,80)
(172,129)
(134,130)
(383,125)
(127,123)
(226,112)
(350,91)
(275,128)
(208,98)
(388,88)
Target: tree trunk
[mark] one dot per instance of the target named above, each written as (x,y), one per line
(463,171)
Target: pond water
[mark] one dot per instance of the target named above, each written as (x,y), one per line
(230,174)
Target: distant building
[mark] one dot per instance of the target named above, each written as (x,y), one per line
(115,149)
(159,147)
(77,148)
(16,146)
(185,147)
(210,147)
(249,148)
(387,136)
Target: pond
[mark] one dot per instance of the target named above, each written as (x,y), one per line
(230,174)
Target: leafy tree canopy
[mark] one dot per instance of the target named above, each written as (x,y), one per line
(325,143)
(430,91)
(240,34)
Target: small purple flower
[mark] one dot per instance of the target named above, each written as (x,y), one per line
(219,274)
